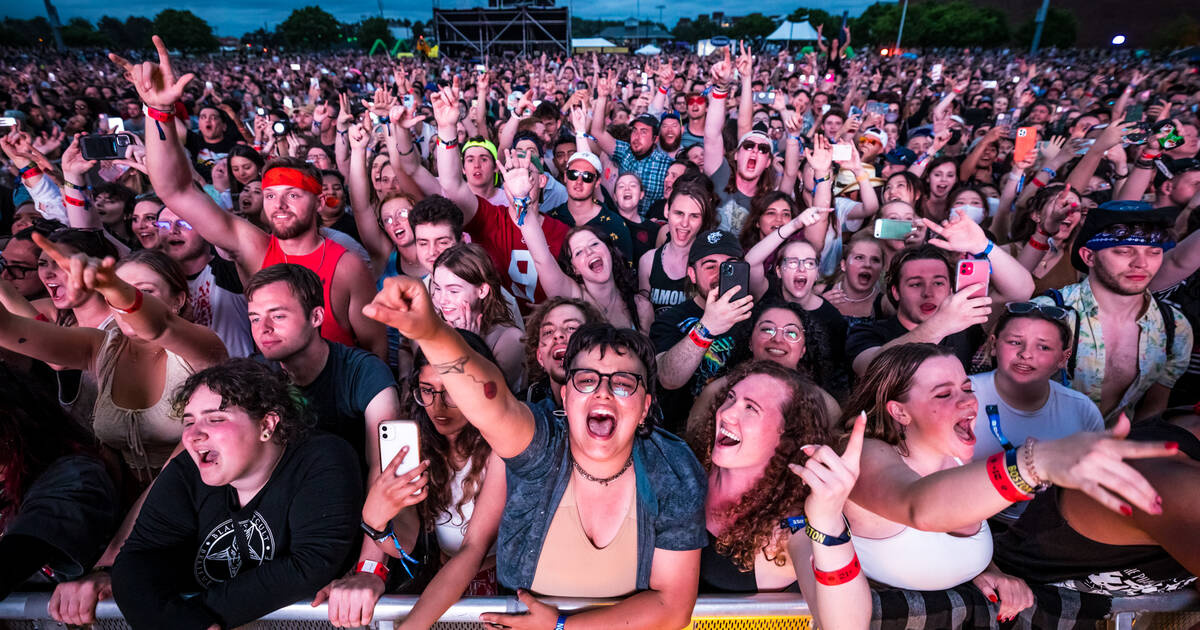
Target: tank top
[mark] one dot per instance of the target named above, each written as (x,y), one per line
(571,566)
(144,437)
(719,574)
(323,261)
(664,291)
(449,526)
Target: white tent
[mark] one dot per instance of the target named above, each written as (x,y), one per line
(648,49)
(794,31)
(591,42)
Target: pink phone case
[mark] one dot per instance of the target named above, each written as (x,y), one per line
(973,272)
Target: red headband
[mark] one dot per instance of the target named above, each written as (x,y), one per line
(284,176)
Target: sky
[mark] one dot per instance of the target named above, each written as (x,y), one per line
(234,17)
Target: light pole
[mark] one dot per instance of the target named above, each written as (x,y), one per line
(903,15)
(1037,32)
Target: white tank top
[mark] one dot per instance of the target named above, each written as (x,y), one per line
(449,526)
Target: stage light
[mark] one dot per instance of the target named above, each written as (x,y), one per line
(884,52)
(1118,40)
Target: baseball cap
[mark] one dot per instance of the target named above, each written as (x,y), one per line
(903,156)
(876,134)
(759,132)
(714,242)
(586,156)
(647,119)
(1124,213)
(1174,168)
(917,132)
(671,114)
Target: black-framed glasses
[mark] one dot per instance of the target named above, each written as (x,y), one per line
(167,225)
(794,263)
(424,396)
(587,176)
(14,270)
(762,148)
(621,384)
(791,333)
(1024,308)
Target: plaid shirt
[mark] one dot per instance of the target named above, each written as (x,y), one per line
(652,170)
(1153,367)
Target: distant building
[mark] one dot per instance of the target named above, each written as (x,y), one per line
(633,33)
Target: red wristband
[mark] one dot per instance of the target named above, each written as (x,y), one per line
(1038,246)
(1002,482)
(375,568)
(662,90)
(698,340)
(32,171)
(71,201)
(133,308)
(719,95)
(159,115)
(1037,182)
(1146,155)
(840,576)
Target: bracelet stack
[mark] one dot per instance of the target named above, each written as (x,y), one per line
(698,337)
(1007,480)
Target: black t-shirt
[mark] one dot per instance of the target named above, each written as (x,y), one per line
(881,331)
(346,225)
(295,536)
(672,325)
(643,236)
(608,221)
(825,349)
(339,396)
(205,154)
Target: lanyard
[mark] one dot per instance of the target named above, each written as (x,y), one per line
(993,413)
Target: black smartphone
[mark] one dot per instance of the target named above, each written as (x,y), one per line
(109,146)
(735,273)
(1134,113)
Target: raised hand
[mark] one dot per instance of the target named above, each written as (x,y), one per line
(359,138)
(958,234)
(1065,204)
(85,273)
(344,117)
(48,142)
(445,106)
(73,163)
(722,71)
(745,61)
(722,312)
(155,83)
(830,477)
(518,182)
(381,104)
(404,305)
(821,156)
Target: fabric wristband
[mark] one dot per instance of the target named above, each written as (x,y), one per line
(375,568)
(71,201)
(1002,482)
(561,623)
(158,115)
(1014,473)
(986,251)
(698,340)
(30,171)
(840,576)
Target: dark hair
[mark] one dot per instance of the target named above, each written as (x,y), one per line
(532,137)
(436,209)
(1023,225)
(436,448)
(247,152)
(1006,316)
(758,207)
(701,194)
(472,263)
(256,389)
(623,275)
(778,493)
(303,282)
(924,251)
(625,341)
(329,172)
(533,325)
(915,184)
(119,192)
(34,432)
(889,376)
(163,265)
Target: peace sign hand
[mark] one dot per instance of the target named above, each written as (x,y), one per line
(155,82)
(830,478)
(958,234)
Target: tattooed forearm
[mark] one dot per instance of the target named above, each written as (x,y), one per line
(458,366)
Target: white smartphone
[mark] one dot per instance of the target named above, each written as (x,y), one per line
(8,121)
(296,67)
(314,82)
(287,104)
(935,73)
(395,435)
(208,85)
(988,85)
(53,79)
(116,125)
(841,152)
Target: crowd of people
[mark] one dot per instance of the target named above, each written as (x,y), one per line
(910,336)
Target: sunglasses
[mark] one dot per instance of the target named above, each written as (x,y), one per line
(167,225)
(1024,308)
(696,100)
(750,145)
(587,176)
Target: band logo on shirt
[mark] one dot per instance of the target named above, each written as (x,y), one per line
(219,559)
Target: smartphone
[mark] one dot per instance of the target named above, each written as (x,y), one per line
(1002,119)
(208,85)
(791,67)
(261,111)
(109,146)
(935,73)
(514,97)
(989,85)
(973,272)
(1135,112)
(314,82)
(735,273)
(285,85)
(825,109)
(855,110)
(296,67)
(877,108)
(395,435)
(841,152)
(1026,141)
(764,98)
(480,68)
(53,78)
(8,121)
(116,125)
(892,229)
(287,103)
(1016,79)
(408,101)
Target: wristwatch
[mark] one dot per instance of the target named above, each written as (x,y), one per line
(375,534)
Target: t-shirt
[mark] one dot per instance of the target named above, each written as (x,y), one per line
(669,327)
(350,380)
(881,331)
(492,229)
(294,537)
(607,221)
(216,300)
(205,154)
(734,206)
(825,350)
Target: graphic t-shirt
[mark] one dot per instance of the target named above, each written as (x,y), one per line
(492,229)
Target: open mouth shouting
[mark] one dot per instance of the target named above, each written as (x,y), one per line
(57,292)
(601,423)
(206,458)
(726,437)
(965,430)
(928,308)
(596,264)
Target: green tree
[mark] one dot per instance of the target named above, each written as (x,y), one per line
(32,32)
(311,28)
(184,30)
(752,26)
(138,32)
(78,32)
(1059,30)
(372,29)
(1182,31)
(954,23)
(113,29)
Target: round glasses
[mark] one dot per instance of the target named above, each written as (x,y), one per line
(791,334)
(621,384)
(424,396)
(793,264)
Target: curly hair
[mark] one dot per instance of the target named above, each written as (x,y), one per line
(254,388)
(441,453)
(623,275)
(533,327)
(779,492)
(889,376)
(472,263)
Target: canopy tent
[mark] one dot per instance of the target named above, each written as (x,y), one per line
(648,49)
(794,31)
(591,42)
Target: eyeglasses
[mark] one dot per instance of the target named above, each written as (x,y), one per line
(791,334)
(1023,308)
(587,176)
(750,145)
(425,395)
(793,264)
(15,270)
(621,384)
(393,219)
(167,225)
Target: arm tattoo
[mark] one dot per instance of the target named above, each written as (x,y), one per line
(458,366)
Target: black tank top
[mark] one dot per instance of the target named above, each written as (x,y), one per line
(664,292)
(718,574)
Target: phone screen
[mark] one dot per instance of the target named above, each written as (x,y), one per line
(892,230)
(841,152)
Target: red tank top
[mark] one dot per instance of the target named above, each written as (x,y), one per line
(323,261)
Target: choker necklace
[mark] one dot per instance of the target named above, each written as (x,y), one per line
(604,481)
(870,295)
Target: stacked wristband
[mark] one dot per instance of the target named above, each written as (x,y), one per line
(1004,481)
(30,170)
(698,338)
